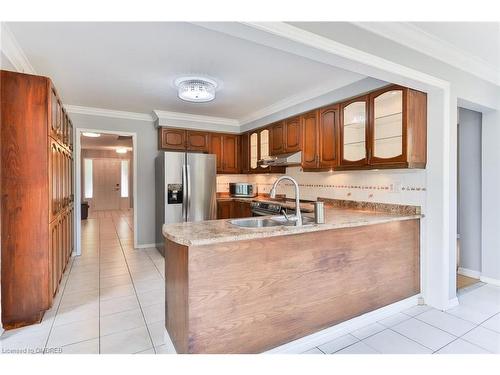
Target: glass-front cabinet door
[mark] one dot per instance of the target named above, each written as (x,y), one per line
(353,129)
(264,146)
(254,151)
(387,126)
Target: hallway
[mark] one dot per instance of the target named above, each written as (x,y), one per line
(111,299)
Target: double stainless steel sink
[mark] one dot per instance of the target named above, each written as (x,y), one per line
(274,221)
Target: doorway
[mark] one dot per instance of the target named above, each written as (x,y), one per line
(105,187)
(469,199)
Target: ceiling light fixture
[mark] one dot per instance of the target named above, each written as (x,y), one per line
(91,135)
(121,150)
(196,89)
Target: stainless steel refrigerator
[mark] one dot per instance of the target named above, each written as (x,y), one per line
(185,189)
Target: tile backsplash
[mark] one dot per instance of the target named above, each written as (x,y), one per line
(384,186)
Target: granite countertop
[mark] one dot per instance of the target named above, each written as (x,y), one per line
(336,216)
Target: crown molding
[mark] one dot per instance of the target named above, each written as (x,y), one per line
(290,33)
(13,52)
(92,111)
(413,37)
(166,118)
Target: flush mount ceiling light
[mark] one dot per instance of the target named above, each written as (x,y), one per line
(196,89)
(121,150)
(91,135)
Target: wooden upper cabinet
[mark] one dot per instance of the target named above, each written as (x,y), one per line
(216,148)
(397,128)
(328,137)
(277,133)
(230,151)
(382,129)
(172,139)
(245,153)
(253,145)
(264,148)
(226,149)
(285,136)
(197,141)
(354,132)
(293,135)
(310,134)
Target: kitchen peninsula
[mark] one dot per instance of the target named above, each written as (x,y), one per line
(246,290)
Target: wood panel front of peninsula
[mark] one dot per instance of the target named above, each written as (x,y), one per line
(252,295)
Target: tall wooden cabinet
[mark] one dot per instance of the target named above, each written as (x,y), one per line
(37,196)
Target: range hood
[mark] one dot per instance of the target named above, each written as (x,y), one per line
(288,160)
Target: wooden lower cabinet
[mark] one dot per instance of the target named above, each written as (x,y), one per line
(37,196)
(225,209)
(233,209)
(242,209)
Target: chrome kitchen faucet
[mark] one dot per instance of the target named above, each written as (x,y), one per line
(272,194)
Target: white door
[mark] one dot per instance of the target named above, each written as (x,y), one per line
(106,184)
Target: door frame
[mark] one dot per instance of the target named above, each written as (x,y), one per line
(77,182)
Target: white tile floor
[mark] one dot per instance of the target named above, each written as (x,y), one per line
(111,300)
(473,327)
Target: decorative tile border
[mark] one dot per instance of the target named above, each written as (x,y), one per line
(359,187)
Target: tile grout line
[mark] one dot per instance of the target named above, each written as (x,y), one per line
(133,285)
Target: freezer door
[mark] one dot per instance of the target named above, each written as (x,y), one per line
(173,207)
(201,187)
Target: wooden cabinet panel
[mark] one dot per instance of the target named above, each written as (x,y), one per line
(354,132)
(277,133)
(310,135)
(197,141)
(216,148)
(225,209)
(230,152)
(245,153)
(242,209)
(397,136)
(293,135)
(172,139)
(328,137)
(226,149)
(229,209)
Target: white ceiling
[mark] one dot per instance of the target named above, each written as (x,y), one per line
(473,47)
(106,142)
(131,67)
(479,39)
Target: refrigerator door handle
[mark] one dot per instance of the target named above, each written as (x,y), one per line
(184,193)
(188,180)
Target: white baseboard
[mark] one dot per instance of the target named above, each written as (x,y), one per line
(489,280)
(328,334)
(469,273)
(452,303)
(145,246)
